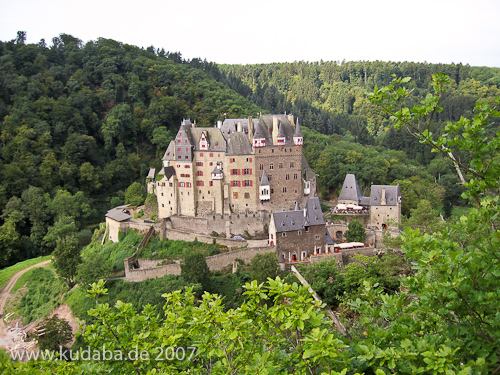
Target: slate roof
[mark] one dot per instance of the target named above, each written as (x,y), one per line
(265,180)
(307,173)
(392,195)
(117,213)
(313,212)
(364,201)
(167,171)
(151,173)
(328,238)
(169,153)
(216,142)
(298,131)
(286,221)
(239,144)
(229,126)
(288,127)
(350,189)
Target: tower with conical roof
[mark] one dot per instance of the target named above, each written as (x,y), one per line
(264,188)
(298,138)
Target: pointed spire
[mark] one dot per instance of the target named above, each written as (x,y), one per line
(298,132)
(265,180)
(281,132)
(297,207)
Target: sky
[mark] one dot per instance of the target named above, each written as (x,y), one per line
(266,31)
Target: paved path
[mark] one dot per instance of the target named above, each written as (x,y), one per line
(5,293)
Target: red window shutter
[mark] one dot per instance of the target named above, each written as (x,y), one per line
(250,170)
(239,171)
(231,183)
(230,160)
(239,183)
(231,172)
(250,182)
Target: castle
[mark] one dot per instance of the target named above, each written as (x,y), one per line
(240,166)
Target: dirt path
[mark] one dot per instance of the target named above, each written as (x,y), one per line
(5,293)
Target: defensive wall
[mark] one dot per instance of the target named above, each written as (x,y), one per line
(143,269)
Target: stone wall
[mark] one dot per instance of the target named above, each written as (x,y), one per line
(214,262)
(255,223)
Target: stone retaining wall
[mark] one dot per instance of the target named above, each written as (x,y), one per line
(149,269)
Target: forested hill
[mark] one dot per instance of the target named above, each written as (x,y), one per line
(330,96)
(81,122)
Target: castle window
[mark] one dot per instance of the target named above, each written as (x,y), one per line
(209,190)
(287,177)
(170,184)
(248,183)
(201,154)
(211,164)
(249,160)
(187,165)
(271,166)
(247,195)
(283,234)
(235,195)
(211,183)
(284,189)
(162,205)
(179,141)
(272,191)
(199,164)
(235,171)
(280,165)
(292,164)
(295,176)
(247,171)
(272,150)
(162,194)
(261,167)
(211,155)
(306,229)
(317,236)
(299,232)
(186,157)
(179,149)
(199,173)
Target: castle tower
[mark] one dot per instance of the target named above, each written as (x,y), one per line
(264,188)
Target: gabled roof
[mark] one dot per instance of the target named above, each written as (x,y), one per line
(259,132)
(239,144)
(265,180)
(286,221)
(216,142)
(167,171)
(392,195)
(350,189)
(117,213)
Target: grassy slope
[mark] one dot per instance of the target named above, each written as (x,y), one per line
(7,273)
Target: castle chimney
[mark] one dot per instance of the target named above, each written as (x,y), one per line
(239,127)
(383,201)
(250,129)
(275,130)
(291,119)
(219,124)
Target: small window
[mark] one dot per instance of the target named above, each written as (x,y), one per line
(283,234)
(271,166)
(247,195)
(280,165)
(235,195)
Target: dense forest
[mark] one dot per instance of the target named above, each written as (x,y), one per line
(81,122)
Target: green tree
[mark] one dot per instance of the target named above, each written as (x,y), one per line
(194,269)
(355,232)
(264,266)
(424,217)
(66,258)
(135,194)
(54,333)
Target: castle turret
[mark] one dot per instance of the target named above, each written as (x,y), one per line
(259,140)
(264,188)
(281,138)
(298,138)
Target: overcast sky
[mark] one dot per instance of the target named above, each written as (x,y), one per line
(265,31)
